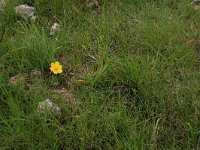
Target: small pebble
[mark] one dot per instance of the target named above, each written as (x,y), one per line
(196,1)
(55,29)
(47,105)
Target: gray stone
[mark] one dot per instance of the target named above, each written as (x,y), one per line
(55,29)
(47,105)
(196,1)
(26,12)
(2,3)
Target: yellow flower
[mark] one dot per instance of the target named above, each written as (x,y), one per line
(56,68)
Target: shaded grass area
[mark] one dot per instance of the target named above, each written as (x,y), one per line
(133,68)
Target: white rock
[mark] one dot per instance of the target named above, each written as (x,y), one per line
(26,12)
(55,29)
(196,1)
(2,3)
(47,105)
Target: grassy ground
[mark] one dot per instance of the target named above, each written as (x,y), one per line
(133,67)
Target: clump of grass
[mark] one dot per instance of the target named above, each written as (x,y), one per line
(132,68)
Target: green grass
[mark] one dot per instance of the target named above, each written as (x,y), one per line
(133,69)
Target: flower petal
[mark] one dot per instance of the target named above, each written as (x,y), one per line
(57,63)
(52,64)
(52,69)
(60,71)
(55,72)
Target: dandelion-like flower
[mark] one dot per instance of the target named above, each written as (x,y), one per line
(56,68)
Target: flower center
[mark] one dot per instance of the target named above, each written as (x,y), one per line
(56,68)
